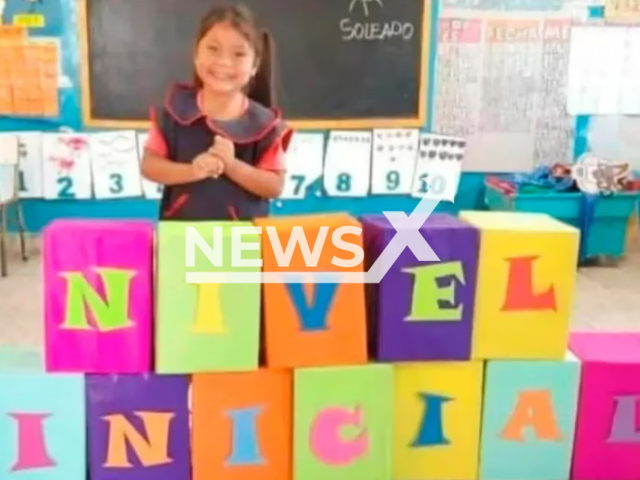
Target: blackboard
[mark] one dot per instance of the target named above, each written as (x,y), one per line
(340,63)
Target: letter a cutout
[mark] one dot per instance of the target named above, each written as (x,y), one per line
(533,409)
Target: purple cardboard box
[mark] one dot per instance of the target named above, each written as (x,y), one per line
(423,310)
(138,427)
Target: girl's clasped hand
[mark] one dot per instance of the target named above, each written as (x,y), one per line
(214,161)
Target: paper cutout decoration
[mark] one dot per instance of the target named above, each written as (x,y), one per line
(394,160)
(150,189)
(29,76)
(424,310)
(347,164)
(607,440)
(115,165)
(307,323)
(242,425)
(206,327)
(437,408)
(343,422)
(526,285)
(66,169)
(304,164)
(42,426)
(30,161)
(138,427)
(438,167)
(595,175)
(529,418)
(98,295)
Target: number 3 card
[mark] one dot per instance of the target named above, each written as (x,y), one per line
(114,160)
(66,170)
(394,161)
(347,166)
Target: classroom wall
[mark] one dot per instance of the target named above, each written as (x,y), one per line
(61,22)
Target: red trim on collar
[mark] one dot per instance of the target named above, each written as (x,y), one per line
(258,136)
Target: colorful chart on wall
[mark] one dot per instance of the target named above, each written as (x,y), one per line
(501,78)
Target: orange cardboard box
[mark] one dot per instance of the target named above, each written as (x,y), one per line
(307,323)
(242,425)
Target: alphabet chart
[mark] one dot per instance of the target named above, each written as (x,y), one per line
(304,164)
(114,160)
(151,189)
(30,161)
(394,161)
(67,166)
(348,164)
(438,167)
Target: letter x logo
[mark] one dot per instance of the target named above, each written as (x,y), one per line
(407,235)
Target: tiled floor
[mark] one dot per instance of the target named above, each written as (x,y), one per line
(607,298)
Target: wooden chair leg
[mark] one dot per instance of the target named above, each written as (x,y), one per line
(3,233)
(22,231)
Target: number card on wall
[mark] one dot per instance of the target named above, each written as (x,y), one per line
(304,164)
(114,160)
(66,171)
(394,161)
(8,149)
(150,189)
(347,164)
(438,167)
(30,160)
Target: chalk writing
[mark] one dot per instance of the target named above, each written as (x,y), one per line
(376,31)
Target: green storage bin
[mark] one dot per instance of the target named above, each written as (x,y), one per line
(608,232)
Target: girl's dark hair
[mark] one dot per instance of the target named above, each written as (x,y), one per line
(260,88)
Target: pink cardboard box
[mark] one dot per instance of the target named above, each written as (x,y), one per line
(98,290)
(607,442)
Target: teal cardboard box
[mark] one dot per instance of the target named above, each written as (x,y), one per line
(529,419)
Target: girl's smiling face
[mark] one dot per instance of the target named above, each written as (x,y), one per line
(224,59)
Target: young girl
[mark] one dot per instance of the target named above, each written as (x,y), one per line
(218,146)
